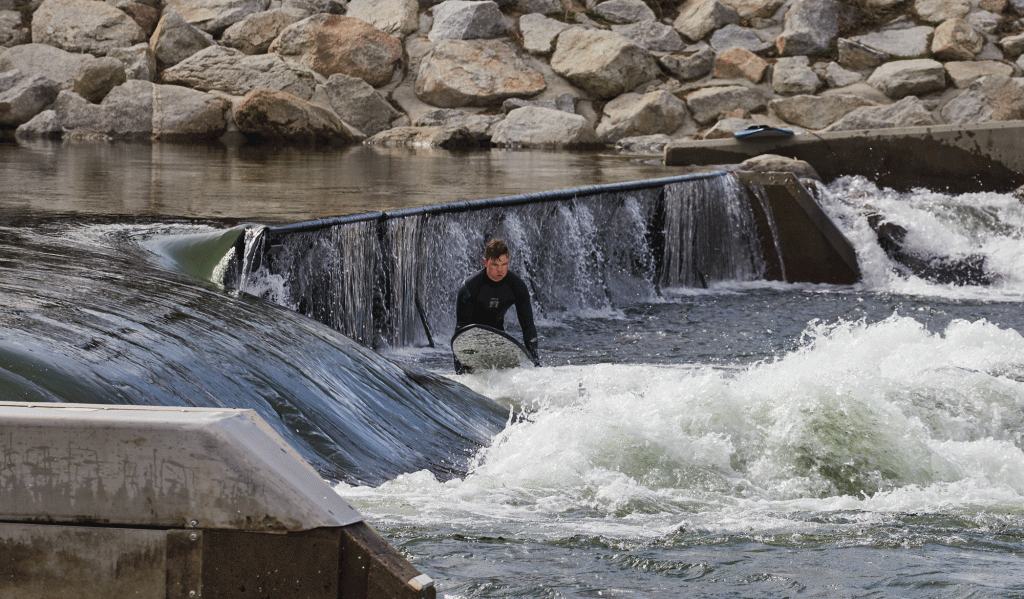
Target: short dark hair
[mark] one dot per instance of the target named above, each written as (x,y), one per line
(495,249)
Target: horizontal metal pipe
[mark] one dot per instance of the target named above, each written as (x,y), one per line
(517,200)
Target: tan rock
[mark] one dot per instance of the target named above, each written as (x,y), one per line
(739,62)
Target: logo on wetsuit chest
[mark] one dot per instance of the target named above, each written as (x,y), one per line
(494,304)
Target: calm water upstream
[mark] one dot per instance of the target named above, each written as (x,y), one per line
(751,439)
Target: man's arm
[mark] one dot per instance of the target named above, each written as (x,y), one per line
(524,311)
(463,307)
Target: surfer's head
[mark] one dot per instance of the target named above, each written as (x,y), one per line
(496,259)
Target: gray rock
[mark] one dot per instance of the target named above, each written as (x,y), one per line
(816,112)
(755,9)
(85,26)
(359,105)
(467,19)
(727,127)
(621,12)
(41,59)
(652,36)
(984,21)
(480,126)
(908,112)
(955,39)
(534,126)
(396,17)
(632,115)
(710,103)
(330,44)
(741,37)
(773,163)
(138,60)
(539,33)
(698,18)
(449,138)
(42,126)
(233,72)
(175,39)
(857,56)
(540,7)
(693,62)
(11,31)
(1013,45)
(214,16)
(255,33)
(603,64)
(97,77)
(565,102)
(474,73)
(652,145)
(991,98)
(837,76)
(909,77)
(962,74)
(23,96)
(793,76)
(909,42)
(812,26)
(937,11)
(280,116)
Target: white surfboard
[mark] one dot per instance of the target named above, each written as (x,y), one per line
(477,347)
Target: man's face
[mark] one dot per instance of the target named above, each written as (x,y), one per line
(497,268)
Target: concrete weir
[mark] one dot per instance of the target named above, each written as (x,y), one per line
(958,158)
(162,503)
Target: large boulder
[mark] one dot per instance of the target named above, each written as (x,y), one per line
(991,98)
(698,18)
(908,112)
(539,33)
(358,104)
(909,78)
(955,39)
(175,39)
(474,73)
(140,110)
(255,33)
(633,115)
(537,127)
(12,33)
(651,35)
(277,115)
(710,103)
(84,26)
(604,64)
(23,96)
(396,17)
(816,112)
(330,44)
(97,77)
(467,20)
(448,138)
(234,72)
(812,26)
(42,59)
(214,16)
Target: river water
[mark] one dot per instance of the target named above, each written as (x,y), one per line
(751,439)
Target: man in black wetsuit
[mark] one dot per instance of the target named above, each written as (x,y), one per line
(486,296)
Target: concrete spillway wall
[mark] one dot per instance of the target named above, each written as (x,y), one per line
(959,158)
(161,503)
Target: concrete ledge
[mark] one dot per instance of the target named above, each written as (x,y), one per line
(958,158)
(177,503)
(810,249)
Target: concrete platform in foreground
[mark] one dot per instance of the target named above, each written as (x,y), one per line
(957,158)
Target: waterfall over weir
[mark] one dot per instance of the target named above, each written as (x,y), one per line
(389,279)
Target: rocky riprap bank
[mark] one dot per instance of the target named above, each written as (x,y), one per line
(520,73)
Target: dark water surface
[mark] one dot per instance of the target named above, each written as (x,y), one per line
(752,439)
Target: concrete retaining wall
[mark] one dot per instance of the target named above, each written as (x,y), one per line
(958,158)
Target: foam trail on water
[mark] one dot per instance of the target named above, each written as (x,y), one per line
(883,417)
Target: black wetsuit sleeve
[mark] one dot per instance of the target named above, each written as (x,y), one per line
(464,302)
(524,311)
